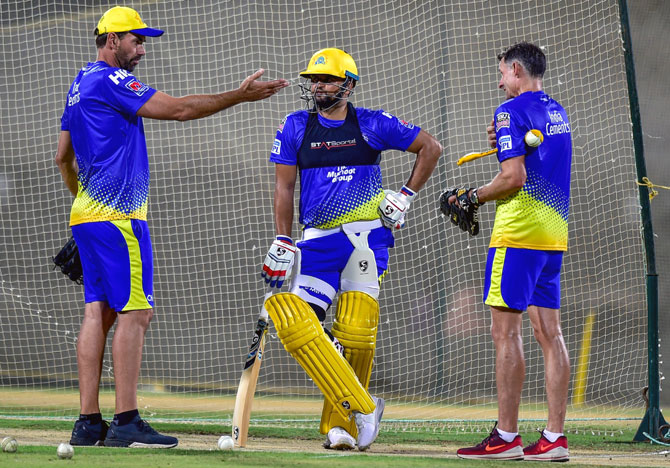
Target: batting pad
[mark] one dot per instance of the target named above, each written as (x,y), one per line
(303,337)
(355,327)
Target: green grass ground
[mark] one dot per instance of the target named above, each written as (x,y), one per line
(602,445)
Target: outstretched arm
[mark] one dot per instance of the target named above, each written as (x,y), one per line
(165,107)
(66,161)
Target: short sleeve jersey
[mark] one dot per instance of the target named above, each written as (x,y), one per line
(337,194)
(535,217)
(109,144)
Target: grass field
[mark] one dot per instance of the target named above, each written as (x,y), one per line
(284,433)
(602,445)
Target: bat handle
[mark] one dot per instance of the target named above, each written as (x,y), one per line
(268,294)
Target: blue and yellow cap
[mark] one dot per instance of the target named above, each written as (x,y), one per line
(124,19)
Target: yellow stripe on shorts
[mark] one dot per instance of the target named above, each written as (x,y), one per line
(137,299)
(494,297)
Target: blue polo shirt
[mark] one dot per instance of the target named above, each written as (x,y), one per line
(109,144)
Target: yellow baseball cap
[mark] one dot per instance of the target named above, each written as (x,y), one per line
(124,19)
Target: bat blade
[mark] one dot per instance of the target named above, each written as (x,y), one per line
(247,388)
(472,156)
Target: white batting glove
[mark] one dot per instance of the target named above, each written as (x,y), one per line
(279,261)
(393,207)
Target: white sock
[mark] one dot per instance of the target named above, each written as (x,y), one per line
(507,436)
(551,436)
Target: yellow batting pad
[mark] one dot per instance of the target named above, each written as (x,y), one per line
(302,335)
(355,327)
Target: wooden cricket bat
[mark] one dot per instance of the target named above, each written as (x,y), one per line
(247,388)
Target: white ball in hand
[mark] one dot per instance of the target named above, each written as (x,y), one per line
(65,450)
(225,443)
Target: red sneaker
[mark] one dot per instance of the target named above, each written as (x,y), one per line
(494,447)
(543,450)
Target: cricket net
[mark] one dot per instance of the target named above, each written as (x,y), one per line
(431,63)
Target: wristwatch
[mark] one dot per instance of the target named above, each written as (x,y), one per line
(474,198)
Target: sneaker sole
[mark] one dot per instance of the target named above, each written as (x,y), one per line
(85,443)
(342,445)
(498,456)
(512,454)
(133,444)
(558,454)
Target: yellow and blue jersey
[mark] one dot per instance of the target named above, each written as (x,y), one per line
(535,217)
(340,177)
(109,144)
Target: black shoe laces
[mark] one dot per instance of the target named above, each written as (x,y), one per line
(145,427)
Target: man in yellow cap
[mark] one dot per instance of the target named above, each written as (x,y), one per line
(102,156)
(349,222)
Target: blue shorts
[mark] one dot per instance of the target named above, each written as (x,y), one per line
(517,278)
(323,259)
(117,262)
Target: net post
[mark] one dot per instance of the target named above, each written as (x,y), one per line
(653,419)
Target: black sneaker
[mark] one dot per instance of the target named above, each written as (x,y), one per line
(137,433)
(85,433)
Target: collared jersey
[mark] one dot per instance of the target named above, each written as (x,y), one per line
(109,144)
(535,217)
(338,160)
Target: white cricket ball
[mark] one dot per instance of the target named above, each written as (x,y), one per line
(65,451)
(9,444)
(225,443)
(533,138)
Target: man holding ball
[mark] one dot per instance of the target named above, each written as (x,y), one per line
(529,237)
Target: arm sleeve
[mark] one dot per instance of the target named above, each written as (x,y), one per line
(287,141)
(126,95)
(65,120)
(385,131)
(510,132)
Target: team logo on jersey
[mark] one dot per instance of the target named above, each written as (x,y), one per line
(503,120)
(276,147)
(137,87)
(281,125)
(332,144)
(404,123)
(505,143)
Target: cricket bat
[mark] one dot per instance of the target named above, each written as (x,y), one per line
(247,388)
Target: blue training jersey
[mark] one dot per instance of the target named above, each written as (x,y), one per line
(336,194)
(109,144)
(535,217)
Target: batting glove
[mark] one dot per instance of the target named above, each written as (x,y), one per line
(393,207)
(279,261)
